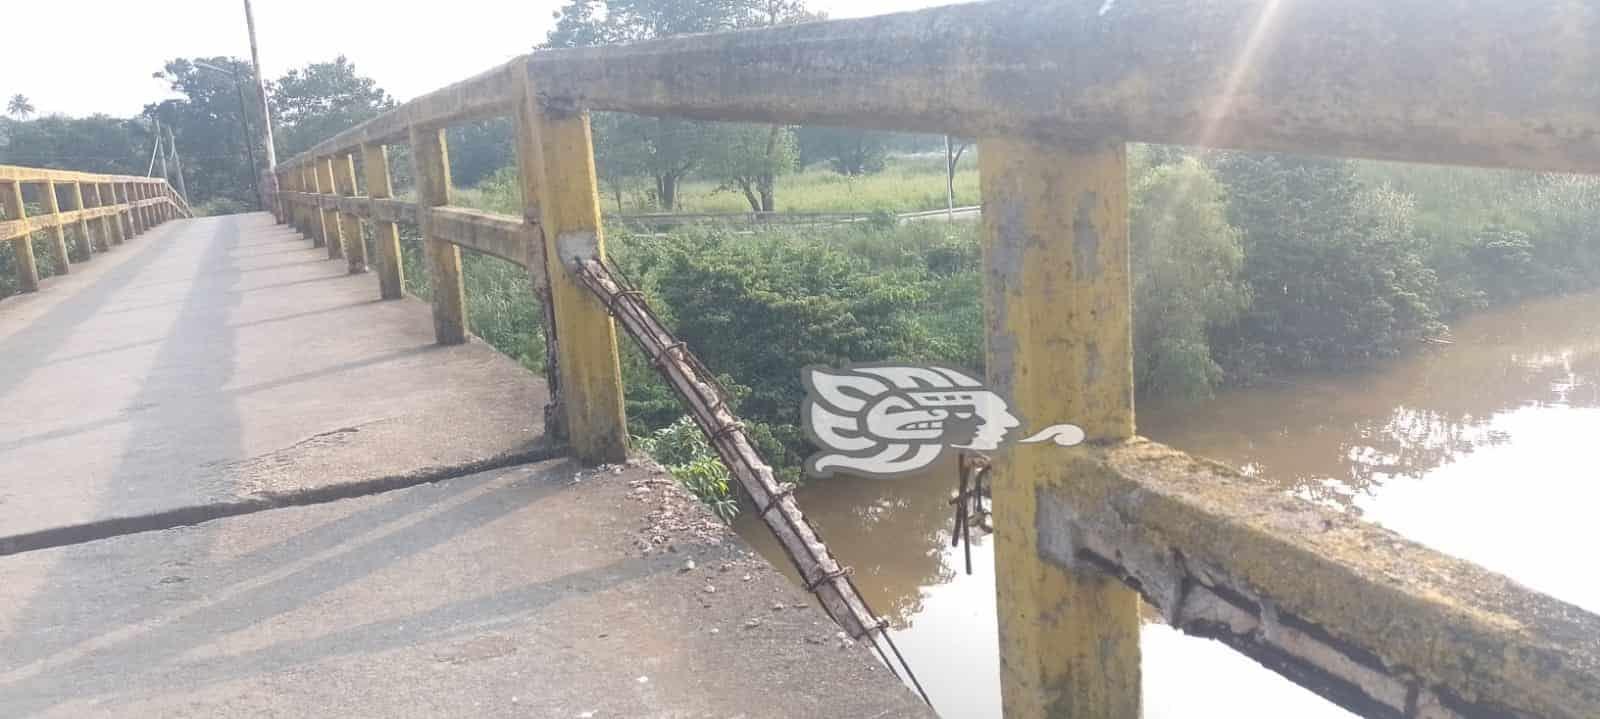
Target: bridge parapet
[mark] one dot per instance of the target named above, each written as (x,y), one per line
(106,210)
(1054,90)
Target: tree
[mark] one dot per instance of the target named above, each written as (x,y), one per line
(749,159)
(207,121)
(1336,272)
(19,107)
(100,144)
(669,149)
(316,102)
(847,152)
(1186,282)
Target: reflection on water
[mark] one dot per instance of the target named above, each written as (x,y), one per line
(1483,449)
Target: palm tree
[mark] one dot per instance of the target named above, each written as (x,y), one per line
(19,106)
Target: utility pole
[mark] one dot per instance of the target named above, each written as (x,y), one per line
(269,188)
(165,175)
(244,129)
(177,164)
(949,179)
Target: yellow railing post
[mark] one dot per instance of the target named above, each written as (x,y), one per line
(344,181)
(143,213)
(1058,307)
(313,211)
(107,197)
(102,226)
(391,273)
(119,221)
(291,205)
(330,217)
(555,157)
(431,162)
(85,242)
(58,234)
(27,265)
(135,225)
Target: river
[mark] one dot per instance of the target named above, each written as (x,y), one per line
(1485,449)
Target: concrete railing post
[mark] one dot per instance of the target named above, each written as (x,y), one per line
(555,158)
(141,212)
(58,234)
(103,222)
(84,241)
(386,235)
(431,161)
(120,221)
(319,235)
(144,212)
(1058,308)
(27,265)
(330,217)
(96,229)
(106,195)
(344,181)
(291,205)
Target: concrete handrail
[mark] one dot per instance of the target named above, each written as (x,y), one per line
(1054,90)
(107,209)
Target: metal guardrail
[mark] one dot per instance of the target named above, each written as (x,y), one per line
(1054,90)
(106,210)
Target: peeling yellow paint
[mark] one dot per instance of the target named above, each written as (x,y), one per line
(565,194)
(1057,304)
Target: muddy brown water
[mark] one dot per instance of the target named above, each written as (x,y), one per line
(1487,449)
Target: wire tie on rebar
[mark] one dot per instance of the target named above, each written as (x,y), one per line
(879,625)
(660,360)
(611,303)
(826,577)
(726,430)
(784,490)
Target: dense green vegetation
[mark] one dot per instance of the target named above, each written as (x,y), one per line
(1244,266)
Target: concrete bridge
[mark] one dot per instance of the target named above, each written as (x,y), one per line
(241,477)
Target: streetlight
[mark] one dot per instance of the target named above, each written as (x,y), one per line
(244,122)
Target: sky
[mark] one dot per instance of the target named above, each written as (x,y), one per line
(119,44)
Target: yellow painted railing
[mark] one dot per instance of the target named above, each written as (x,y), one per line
(1054,90)
(106,210)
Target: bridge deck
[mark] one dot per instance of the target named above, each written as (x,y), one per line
(223,367)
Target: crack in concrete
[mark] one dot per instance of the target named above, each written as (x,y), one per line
(85,532)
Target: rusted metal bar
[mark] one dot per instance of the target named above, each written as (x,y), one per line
(775,504)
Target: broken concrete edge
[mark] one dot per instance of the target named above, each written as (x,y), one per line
(1352,611)
(201,513)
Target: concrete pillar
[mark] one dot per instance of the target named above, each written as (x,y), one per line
(555,158)
(391,272)
(27,265)
(1060,349)
(431,162)
(58,234)
(344,182)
